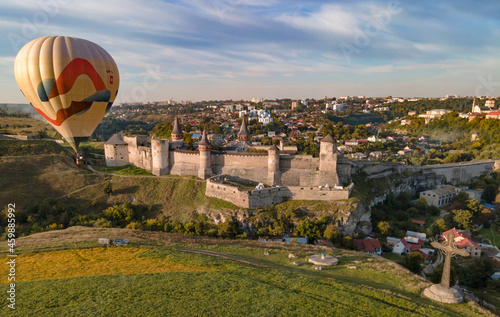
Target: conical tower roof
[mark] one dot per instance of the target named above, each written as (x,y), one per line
(328,139)
(116,139)
(204,139)
(243,129)
(177,127)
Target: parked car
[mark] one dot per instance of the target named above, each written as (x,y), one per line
(120,242)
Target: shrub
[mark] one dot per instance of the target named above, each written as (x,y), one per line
(102,223)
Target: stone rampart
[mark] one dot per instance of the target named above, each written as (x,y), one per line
(270,196)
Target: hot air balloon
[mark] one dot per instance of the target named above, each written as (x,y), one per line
(71,82)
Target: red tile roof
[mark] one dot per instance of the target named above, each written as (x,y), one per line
(369,245)
(418,222)
(465,243)
(413,247)
(456,234)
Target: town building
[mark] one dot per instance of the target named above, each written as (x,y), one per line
(407,245)
(371,246)
(493,115)
(439,196)
(463,241)
(433,114)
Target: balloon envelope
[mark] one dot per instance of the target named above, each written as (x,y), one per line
(71,82)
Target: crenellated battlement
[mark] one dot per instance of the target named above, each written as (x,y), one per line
(163,157)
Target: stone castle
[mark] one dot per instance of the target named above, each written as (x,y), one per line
(278,167)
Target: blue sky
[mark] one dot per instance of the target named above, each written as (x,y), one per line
(240,49)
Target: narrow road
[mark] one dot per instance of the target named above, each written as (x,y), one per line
(441,215)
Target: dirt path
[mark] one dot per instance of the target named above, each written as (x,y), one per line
(90,168)
(80,189)
(493,235)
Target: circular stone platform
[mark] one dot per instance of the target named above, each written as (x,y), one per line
(323,260)
(444,295)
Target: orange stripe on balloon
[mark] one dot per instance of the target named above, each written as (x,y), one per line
(75,68)
(63,114)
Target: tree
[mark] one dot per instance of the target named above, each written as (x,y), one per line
(348,243)
(412,262)
(479,273)
(439,226)
(333,234)
(437,274)
(459,201)
(474,206)
(306,228)
(462,218)
(384,228)
(107,189)
(120,215)
(229,228)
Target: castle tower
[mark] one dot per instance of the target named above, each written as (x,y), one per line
(328,161)
(116,151)
(204,148)
(177,134)
(160,155)
(282,145)
(244,135)
(273,165)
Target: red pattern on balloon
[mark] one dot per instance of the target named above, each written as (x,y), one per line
(65,82)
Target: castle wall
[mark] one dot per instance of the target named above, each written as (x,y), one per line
(184,162)
(136,140)
(226,192)
(240,160)
(462,173)
(314,193)
(454,173)
(140,156)
(270,196)
(255,174)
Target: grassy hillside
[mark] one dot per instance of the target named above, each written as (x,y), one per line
(220,278)
(24,124)
(30,179)
(31,147)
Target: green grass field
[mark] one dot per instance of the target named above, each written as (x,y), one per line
(219,288)
(123,170)
(492,235)
(176,275)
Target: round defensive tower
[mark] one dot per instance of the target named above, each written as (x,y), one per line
(204,148)
(160,156)
(273,165)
